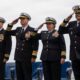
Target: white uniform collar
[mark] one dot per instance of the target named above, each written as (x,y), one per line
(51,30)
(25,27)
(1,29)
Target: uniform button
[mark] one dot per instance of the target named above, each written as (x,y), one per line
(22,44)
(27,39)
(47,46)
(75,36)
(23,40)
(75,47)
(47,50)
(17,48)
(18,44)
(47,37)
(71,32)
(22,49)
(75,41)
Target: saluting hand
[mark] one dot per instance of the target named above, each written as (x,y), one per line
(14,21)
(69,17)
(41,26)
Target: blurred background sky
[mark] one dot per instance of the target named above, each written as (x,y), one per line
(39,10)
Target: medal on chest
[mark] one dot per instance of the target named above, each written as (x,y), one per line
(1,37)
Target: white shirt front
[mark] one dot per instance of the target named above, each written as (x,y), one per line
(25,27)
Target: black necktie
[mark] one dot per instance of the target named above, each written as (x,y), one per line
(22,34)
